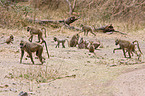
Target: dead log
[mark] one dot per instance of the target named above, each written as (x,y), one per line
(108,28)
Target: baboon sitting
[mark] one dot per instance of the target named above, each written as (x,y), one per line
(87,29)
(60,41)
(29,48)
(34,31)
(74,40)
(96,45)
(9,40)
(128,47)
(91,47)
(81,44)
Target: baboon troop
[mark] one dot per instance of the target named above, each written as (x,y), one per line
(38,32)
(75,41)
(30,48)
(60,41)
(9,40)
(127,46)
(87,29)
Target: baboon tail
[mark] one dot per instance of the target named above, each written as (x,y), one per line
(44,31)
(137,46)
(46,47)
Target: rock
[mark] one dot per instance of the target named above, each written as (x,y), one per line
(23,94)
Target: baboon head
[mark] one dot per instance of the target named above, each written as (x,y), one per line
(55,39)
(22,44)
(12,37)
(116,42)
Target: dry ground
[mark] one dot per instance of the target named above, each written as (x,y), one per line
(95,75)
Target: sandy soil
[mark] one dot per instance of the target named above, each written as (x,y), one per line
(105,74)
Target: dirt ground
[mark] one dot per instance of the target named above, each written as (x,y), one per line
(106,74)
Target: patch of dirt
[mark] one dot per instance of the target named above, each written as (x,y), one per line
(93,74)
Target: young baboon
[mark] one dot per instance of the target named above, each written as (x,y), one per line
(29,48)
(74,40)
(91,47)
(128,47)
(96,44)
(34,31)
(9,40)
(87,29)
(60,41)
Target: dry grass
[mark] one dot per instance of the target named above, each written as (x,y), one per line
(92,12)
(41,74)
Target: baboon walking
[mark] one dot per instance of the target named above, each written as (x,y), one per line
(87,29)
(60,41)
(29,48)
(128,47)
(38,32)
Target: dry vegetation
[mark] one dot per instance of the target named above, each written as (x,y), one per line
(92,12)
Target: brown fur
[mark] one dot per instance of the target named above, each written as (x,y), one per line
(74,40)
(38,32)
(9,40)
(60,41)
(87,29)
(128,47)
(91,47)
(30,48)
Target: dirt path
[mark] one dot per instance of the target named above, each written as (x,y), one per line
(130,84)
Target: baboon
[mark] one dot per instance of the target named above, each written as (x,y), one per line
(29,48)
(96,45)
(91,47)
(9,40)
(74,40)
(81,44)
(128,47)
(87,29)
(60,41)
(70,20)
(34,31)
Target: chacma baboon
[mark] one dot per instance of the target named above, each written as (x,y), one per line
(70,20)
(60,41)
(29,48)
(128,47)
(91,47)
(74,40)
(34,31)
(9,40)
(87,29)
